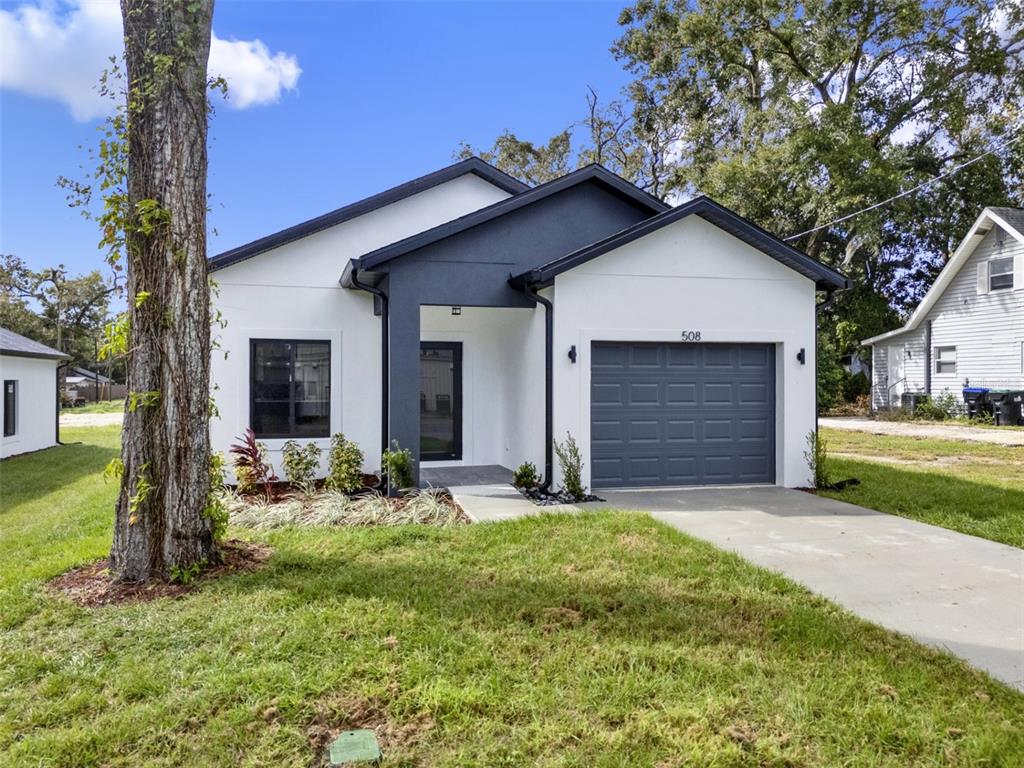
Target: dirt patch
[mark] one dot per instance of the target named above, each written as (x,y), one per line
(347,714)
(94,585)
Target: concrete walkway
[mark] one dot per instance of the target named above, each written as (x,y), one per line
(1008,436)
(947,589)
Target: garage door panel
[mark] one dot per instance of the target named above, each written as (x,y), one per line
(682,414)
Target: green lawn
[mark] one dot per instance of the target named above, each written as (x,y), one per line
(971,487)
(592,640)
(103,406)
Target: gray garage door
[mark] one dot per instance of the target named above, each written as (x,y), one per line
(682,414)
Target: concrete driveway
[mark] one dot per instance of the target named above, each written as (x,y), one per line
(948,589)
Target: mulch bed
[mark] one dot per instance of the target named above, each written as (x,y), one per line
(94,585)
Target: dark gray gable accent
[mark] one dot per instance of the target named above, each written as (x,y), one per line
(16,345)
(1012,216)
(472,165)
(824,277)
(591,173)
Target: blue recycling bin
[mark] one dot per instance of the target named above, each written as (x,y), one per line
(976,400)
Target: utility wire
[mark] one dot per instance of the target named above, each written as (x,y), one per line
(911,191)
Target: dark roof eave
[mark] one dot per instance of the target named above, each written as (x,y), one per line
(473,165)
(596,173)
(825,278)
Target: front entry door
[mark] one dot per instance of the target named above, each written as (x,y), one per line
(440,400)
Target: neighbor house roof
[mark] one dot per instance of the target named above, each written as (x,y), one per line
(1010,219)
(85,373)
(473,165)
(824,277)
(592,173)
(16,345)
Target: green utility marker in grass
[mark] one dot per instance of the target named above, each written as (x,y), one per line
(354,748)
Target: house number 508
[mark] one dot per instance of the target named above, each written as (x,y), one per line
(691,335)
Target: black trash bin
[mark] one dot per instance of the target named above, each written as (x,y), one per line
(1012,407)
(975,398)
(1000,404)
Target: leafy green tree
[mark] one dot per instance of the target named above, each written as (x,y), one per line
(53,307)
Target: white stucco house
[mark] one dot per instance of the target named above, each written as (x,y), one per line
(969,328)
(473,319)
(31,402)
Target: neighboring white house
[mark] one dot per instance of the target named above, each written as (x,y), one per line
(30,407)
(675,344)
(969,328)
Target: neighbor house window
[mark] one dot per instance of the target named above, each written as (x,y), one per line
(945,360)
(10,407)
(1000,273)
(290,385)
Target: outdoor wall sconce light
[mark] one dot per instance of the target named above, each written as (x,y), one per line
(572,353)
(801,356)
(456,310)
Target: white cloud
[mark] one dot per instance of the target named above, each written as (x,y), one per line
(59,50)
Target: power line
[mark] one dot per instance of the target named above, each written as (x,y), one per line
(911,191)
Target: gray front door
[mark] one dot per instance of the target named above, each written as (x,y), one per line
(681,414)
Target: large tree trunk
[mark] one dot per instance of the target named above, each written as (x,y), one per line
(160,524)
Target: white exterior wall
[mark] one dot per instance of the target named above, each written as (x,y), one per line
(502,381)
(35,420)
(292,292)
(692,276)
(986,329)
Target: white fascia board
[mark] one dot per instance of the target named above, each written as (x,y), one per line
(956,261)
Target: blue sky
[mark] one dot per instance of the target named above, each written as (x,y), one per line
(386,93)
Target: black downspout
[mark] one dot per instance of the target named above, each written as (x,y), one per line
(549,383)
(829,298)
(56,425)
(384,356)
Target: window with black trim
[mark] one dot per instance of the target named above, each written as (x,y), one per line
(10,407)
(290,388)
(945,359)
(1000,273)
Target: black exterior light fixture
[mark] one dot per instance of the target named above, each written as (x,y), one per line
(456,310)
(572,353)
(802,356)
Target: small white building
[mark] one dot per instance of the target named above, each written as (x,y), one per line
(31,402)
(969,328)
(473,320)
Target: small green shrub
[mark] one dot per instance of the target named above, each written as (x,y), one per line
(526,476)
(301,463)
(345,465)
(942,407)
(571,463)
(396,465)
(817,459)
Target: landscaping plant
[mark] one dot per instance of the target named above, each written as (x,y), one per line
(345,465)
(942,407)
(817,459)
(252,471)
(526,476)
(571,463)
(300,464)
(396,465)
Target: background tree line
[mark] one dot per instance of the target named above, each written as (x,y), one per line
(67,312)
(797,114)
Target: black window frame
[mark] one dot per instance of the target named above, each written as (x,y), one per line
(11,408)
(939,362)
(291,389)
(1005,277)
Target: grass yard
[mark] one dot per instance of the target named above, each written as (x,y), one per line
(103,406)
(971,487)
(594,640)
